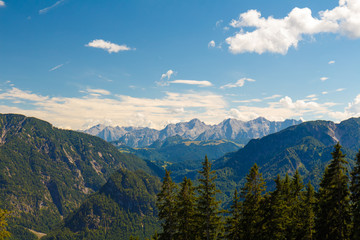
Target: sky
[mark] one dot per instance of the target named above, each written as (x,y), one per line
(149,63)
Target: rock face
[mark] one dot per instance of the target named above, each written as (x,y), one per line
(229,129)
(45,172)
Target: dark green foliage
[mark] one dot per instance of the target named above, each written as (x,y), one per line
(124,207)
(355,198)
(251,212)
(233,228)
(306,227)
(333,216)
(166,203)
(19,232)
(209,219)
(185,211)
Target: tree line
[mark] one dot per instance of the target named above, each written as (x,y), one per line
(292,211)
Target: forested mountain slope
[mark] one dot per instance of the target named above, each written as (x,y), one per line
(124,206)
(46,172)
(306,147)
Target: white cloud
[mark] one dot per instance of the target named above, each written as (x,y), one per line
(56,67)
(278,35)
(2,4)
(340,89)
(218,23)
(239,83)
(324,79)
(193,82)
(167,75)
(98,91)
(107,46)
(331,62)
(211,44)
(248,101)
(324,93)
(45,10)
(311,96)
(272,97)
(82,112)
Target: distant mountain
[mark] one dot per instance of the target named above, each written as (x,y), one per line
(124,206)
(230,129)
(306,147)
(46,172)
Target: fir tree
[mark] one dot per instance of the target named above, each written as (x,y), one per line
(233,228)
(333,214)
(355,198)
(251,212)
(186,211)
(307,214)
(293,203)
(209,220)
(166,203)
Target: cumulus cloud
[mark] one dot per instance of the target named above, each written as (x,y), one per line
(193,82)
(167,75)
(331,62)
(278,35)
(239,83)
(340,89)
(107,46)
(45,10)
(324,79)
(2,3)
(211,44)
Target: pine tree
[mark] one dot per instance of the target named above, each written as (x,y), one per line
(209,219)
(355,198)
(233,228)
(251,212)
(166,203)
(186,211)
(333,213)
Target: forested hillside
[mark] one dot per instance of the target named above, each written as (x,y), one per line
(123,207)
(45,172)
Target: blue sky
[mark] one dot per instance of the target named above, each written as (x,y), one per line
(154,62)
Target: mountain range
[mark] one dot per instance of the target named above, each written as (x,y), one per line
(70,184)
(230,129)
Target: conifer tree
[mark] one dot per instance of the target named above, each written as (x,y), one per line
(166,203)
(186,211)
(251,212)
(233,228)
(293,203)
(273,212)
(307,216)
(355,198)
(209,219)
(333,214)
